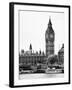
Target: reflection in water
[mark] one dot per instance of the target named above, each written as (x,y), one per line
(36,76)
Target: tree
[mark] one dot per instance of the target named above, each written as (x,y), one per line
(53,60)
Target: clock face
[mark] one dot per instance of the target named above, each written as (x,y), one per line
(51,35)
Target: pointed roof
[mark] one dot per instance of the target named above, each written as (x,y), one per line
(62,49)
(49,28)
(30,47)
(49,21)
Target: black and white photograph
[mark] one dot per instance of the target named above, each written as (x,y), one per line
(41,44)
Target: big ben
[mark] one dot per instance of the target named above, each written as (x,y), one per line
(49,39)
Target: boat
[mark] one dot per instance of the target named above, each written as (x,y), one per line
(53,71)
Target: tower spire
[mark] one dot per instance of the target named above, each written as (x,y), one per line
(49,21)
(49,17)
(30,48)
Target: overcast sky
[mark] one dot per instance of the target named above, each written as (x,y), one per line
(33,26)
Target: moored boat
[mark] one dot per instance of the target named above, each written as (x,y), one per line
(53,71)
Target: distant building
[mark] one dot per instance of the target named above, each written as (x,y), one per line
(49,39)
(61,55)
(40,58)
(31,58)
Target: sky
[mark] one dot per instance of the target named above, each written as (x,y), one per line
(33,26)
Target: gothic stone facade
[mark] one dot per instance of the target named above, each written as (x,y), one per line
(49,39)
(33,58)
(61,55)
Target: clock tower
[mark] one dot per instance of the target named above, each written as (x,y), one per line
(49,39)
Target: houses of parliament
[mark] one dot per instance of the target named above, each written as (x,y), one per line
(33,59)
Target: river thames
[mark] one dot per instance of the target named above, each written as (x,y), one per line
(42,75)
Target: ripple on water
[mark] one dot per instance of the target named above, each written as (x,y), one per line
(35,76)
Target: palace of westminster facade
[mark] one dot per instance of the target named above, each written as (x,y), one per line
(31,58)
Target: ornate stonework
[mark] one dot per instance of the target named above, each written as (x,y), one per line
(49,39)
